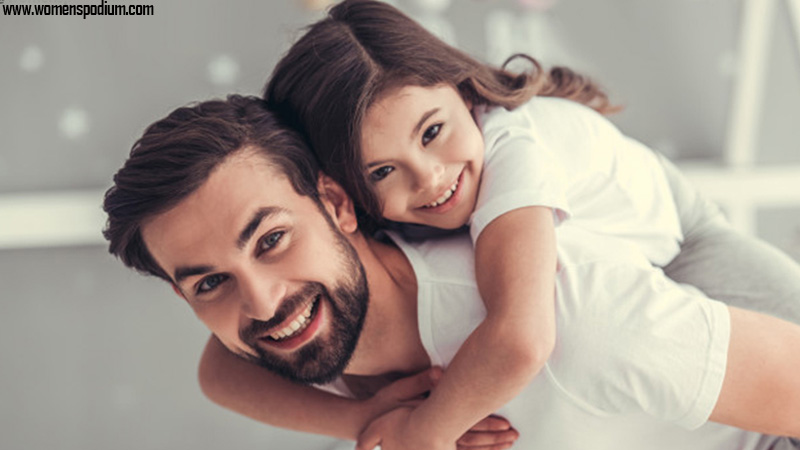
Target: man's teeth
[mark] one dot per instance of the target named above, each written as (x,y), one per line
(295,326)
(444,197)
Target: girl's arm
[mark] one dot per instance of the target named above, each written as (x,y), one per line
(515,259)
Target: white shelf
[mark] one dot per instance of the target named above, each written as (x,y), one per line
(47,219)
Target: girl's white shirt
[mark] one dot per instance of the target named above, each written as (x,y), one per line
(560,154)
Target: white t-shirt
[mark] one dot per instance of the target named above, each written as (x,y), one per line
(638,363)
(557,153)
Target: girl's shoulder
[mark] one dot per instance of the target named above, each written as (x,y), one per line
(545,118)
(537,111)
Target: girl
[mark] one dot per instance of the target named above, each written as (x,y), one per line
(406,124)
(420,133)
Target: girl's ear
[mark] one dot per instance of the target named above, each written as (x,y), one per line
(337,203)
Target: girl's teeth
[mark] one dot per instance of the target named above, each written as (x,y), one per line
(444,197)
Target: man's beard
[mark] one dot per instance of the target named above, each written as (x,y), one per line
(324,358)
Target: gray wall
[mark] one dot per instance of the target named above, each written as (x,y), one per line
(95,356)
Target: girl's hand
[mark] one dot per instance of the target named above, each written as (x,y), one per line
(393,431)
(491,433)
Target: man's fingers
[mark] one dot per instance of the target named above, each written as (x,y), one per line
(414,385)
(487,439)
(369,439)
(492,423)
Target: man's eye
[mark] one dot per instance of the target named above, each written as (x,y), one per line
(210,283)
(380,173)
(271,240)
(431,133)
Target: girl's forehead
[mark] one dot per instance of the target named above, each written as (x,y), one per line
(406,100)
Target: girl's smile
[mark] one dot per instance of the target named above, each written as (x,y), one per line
(423,153)
(449,198)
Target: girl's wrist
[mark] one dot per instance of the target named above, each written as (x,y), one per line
(429,429)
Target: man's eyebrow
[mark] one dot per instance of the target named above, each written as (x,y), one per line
(182,273)
(255,221)
(422,120)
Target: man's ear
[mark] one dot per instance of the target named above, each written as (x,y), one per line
(337,203)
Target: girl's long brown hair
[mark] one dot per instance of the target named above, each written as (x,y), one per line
(346,61)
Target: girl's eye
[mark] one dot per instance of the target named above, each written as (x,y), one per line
(210,283)
(380,173)
(271,240)
(431,133)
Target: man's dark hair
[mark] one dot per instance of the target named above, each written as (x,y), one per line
(176,155)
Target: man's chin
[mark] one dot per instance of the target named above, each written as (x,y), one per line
(314,363)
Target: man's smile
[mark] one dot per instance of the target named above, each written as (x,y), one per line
(298,329)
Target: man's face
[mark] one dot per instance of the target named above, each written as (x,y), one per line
(265,269)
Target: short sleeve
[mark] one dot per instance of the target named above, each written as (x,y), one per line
(518,171)
(631,341)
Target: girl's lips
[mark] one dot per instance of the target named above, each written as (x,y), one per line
(451,202)
(295,341)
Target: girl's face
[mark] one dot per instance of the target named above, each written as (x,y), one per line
(423,153)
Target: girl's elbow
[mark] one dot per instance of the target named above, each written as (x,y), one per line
(539,348)
(530,356)
(543,348)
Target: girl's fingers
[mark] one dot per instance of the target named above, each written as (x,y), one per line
(492,423)
(490,447)
(487,439)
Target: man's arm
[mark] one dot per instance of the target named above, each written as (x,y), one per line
(250,390)
(761,389)
(247,389)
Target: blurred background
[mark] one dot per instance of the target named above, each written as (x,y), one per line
(95,356)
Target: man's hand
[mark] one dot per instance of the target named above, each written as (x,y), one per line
(393,431)
(408,391)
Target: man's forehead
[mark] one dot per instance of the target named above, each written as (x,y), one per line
(225,210)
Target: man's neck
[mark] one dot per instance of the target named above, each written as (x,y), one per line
(390,340)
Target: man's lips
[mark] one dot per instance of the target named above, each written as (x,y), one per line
(298,329)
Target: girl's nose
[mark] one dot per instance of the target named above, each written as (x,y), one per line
(429,174)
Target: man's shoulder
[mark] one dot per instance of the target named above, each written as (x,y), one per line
(447,259)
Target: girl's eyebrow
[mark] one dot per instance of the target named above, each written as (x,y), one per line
(377,163)
(414,132)
(422,120)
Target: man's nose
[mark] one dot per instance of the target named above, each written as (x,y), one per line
(261,297)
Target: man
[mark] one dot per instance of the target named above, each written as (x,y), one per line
(226,204)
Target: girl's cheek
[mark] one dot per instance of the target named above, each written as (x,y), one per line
(393,213)
(394,209)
